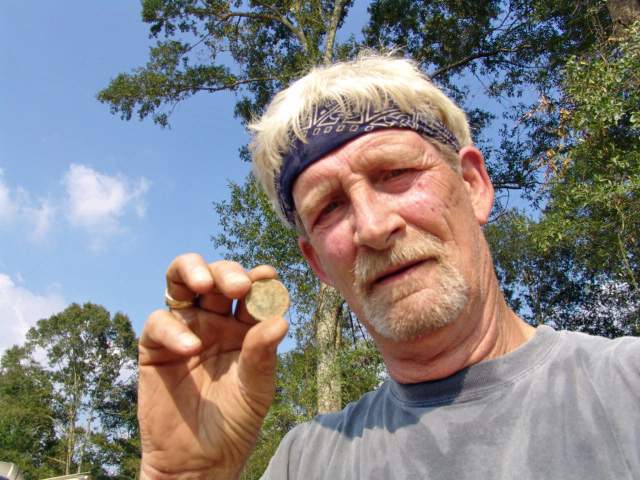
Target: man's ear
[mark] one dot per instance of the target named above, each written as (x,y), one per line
(309,253)
(477,182)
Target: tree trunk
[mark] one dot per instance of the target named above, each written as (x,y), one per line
(328,339)
(623,13)
(331,31)
(328,328)
(85,442)
(71,440)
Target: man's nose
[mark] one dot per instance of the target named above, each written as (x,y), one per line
(377,223)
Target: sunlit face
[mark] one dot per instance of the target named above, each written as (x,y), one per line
(390,224)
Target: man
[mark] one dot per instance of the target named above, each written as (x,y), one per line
(375,168)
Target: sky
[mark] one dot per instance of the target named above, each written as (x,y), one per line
(93,208)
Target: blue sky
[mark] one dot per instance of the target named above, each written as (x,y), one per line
(93,208)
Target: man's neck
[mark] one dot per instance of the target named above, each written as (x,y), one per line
(483,332)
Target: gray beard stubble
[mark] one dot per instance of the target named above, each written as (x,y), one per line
(431,310)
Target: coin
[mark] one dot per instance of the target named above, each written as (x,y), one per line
(267,299)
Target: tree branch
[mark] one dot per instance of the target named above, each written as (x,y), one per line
(475,56)
(229,86)
(55,459)
(257,16)
(279,17)
(331,31)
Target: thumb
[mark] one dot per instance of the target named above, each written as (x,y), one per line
(258,358)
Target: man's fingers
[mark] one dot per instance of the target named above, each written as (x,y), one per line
(230,278)
(188,275)
(232,282)
(258,356)
(262,272)
(168,336)
(164,331)
(216,302)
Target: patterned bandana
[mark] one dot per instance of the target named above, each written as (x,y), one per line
(329,129)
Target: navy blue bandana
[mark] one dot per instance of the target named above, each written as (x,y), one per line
(329,129)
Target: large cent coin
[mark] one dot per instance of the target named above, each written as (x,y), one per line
(267,299)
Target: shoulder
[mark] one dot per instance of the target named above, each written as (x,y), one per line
(608,363)
(308,445)
(622,351)
(350,420)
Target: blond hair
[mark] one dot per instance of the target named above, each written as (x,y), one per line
(371,79)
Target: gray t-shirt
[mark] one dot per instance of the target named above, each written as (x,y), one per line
(563,406)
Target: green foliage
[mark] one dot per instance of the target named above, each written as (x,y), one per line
(511,50)
(27,436)
(551,286)
(74,410)
(362,369)
(576,267)
(167,79)
(269,43)
(594,176)
(533,283)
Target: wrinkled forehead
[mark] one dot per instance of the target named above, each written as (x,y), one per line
(330,128)
(382,150)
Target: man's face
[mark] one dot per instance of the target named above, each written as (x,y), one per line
(393,227)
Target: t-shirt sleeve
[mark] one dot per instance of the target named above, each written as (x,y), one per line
(618,373)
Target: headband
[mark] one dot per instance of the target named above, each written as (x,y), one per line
(329,128)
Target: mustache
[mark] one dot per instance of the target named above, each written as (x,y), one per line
(369,266)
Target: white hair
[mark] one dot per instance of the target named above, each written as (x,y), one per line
(371,79)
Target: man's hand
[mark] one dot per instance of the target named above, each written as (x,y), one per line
(206,373)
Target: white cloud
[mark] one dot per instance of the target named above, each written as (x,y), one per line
(20,309)
(93,201)
(40,217)
(98,201)
(8,205)
(20,206)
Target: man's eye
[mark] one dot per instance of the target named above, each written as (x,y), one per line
(327,210)
(391,174)
(329,207)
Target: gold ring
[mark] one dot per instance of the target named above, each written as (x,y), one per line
(174,304)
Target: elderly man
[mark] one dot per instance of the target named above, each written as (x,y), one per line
(375,168)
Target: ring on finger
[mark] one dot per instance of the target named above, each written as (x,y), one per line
(174,304)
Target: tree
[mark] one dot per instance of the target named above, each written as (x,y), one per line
(593,186)
(551,286)
(27,434)
(90,365)
(594,174)
(271,42)
(507,52)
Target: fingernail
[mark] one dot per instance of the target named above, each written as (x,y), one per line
(188,340)
(201,274)
(236,278)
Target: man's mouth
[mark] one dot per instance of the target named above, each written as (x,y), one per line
(396,272)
